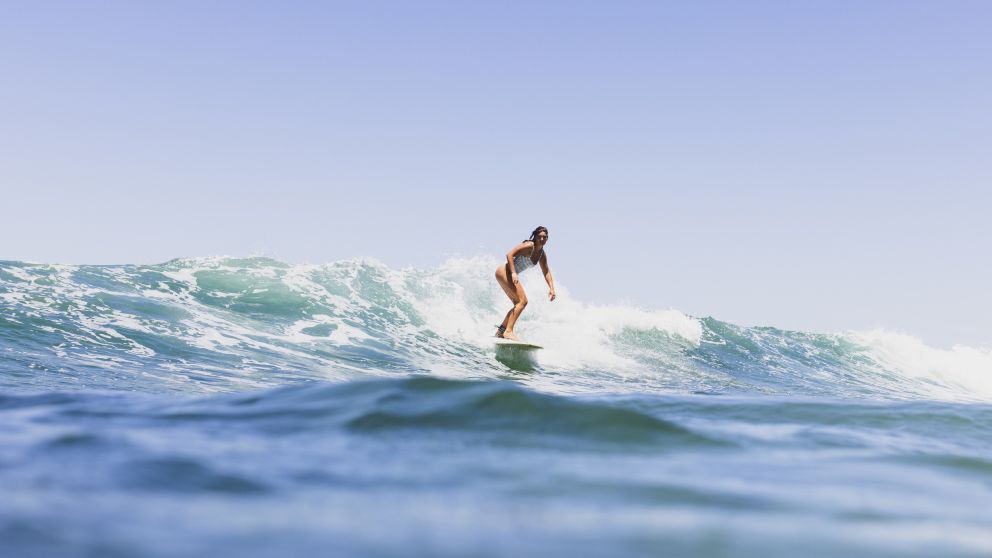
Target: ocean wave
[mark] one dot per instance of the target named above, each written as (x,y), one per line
(221,324)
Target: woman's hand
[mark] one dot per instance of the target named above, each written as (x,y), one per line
(515,279)
(551,295)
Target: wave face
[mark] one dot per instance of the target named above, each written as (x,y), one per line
(254,408)
(217,324)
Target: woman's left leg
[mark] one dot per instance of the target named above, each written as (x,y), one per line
(514,314)
(513,292)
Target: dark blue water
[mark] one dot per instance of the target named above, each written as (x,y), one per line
(248,407)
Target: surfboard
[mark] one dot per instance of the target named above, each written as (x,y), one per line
(511,344)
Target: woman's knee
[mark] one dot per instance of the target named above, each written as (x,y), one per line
(522,302)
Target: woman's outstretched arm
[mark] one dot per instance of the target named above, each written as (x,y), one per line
(547,276)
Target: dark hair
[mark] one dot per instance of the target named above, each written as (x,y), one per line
(534,234)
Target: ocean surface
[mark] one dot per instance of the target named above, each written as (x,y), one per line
(247,407)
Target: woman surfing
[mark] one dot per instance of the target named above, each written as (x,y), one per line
(522,257)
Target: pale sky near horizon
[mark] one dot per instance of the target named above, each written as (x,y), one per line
(821,166)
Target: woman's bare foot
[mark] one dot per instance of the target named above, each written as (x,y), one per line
(510,335)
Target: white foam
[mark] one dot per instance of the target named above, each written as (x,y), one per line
(105,325)
(346,334)
(297,279)
(960,372)
(579,335)
(186,276)
(462,301)
(19,273)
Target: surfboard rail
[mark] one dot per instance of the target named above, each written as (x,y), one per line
(510,343)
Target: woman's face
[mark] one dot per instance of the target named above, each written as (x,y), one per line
(541,239)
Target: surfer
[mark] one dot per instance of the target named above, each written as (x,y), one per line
(522,257)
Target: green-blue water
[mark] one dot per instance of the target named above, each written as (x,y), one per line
(249,407)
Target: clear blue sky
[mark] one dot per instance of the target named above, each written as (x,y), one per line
(811,165)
